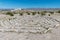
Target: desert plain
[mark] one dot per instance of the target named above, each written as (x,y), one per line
(29,25)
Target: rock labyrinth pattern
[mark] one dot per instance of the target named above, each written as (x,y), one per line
(29,24)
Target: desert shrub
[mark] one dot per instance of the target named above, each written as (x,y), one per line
(51,12)
(42,13)
(10,13)
(38,12)
(45,11)
(28,13)
(21,14)
(33,13)
(48,14)
(58,11)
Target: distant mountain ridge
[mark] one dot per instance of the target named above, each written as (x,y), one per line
(41,9)
(31,9)
(6,9)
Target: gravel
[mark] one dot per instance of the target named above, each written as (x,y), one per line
(29,27)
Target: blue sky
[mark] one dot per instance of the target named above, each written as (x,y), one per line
(29,3)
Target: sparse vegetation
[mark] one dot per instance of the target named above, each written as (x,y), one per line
(21,14)
(45,11)
(38,12)
(10,13)
(58,11)
(51,12)
(28,13)
(33,13)
(42,13)
(48,14)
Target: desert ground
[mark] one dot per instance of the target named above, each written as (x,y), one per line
(30,26)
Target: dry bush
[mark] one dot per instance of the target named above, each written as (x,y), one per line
(33,13)
(10,13)
(43,13)
(51,12)
(28,13)
(48,14)
(38,12)
(58,11)
(21,14)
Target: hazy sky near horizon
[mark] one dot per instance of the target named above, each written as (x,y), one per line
(29,3)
